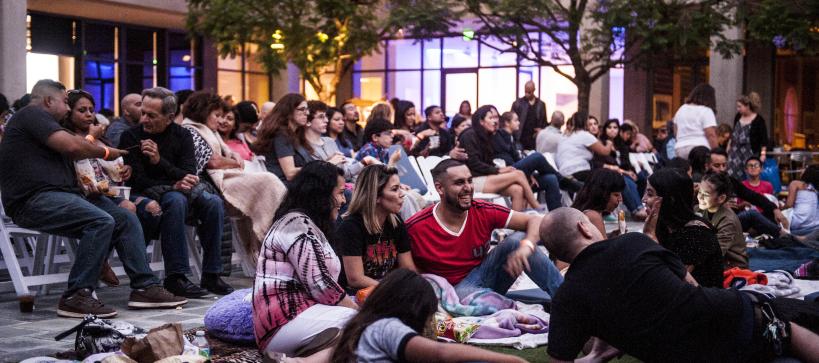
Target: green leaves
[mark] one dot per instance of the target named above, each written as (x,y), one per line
(790,25)
(315,35)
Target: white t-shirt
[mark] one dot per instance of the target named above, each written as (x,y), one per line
(573,153)
(691,121)
(548,139)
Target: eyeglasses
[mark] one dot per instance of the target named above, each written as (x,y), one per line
(302,109)
(753,166)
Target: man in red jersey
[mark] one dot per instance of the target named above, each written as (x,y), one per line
(451,239)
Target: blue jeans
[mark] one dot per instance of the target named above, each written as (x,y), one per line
(210,212)
(751,218)
(99,224)
(491,274)
(546,177)
(631,197)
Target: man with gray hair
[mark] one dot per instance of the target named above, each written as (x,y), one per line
(164,169)
(637,297)
(548,138)
(40,192)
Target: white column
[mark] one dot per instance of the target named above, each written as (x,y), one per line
(725,75)
(13,48)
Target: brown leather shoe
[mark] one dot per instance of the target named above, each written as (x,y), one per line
(108,276)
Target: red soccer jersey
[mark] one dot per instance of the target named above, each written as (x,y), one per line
(453,254)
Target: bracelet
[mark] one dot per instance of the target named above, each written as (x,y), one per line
(90,138)
(107,153)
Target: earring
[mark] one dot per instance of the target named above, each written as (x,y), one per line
(308,124)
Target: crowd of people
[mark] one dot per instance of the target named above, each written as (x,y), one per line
(323,214)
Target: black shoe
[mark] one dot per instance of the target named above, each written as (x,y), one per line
(215,284)
(179,285)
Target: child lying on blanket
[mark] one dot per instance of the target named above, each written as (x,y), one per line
(390,325)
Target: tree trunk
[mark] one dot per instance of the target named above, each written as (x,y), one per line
(583,95)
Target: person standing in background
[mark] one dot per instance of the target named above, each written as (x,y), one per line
(532,113)
(695,123)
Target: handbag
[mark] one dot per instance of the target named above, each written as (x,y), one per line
(95,335)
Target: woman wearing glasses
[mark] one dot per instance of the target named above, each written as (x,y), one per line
(281,137)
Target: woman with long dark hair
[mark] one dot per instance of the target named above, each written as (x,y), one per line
(281,137)
(575,154)
(392,324)
(488,178)
(237,121)
(335,131)
(296,294)
(695,123)
(464,113)
(600,195)
(700,159)
(672,222)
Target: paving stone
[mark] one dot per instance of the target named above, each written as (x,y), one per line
(8,332)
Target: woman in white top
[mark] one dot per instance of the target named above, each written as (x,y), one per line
(574,155)
(695,123)
(575,152)
(802,197)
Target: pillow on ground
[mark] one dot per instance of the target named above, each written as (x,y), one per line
(230,318)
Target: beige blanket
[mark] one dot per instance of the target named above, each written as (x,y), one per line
(255,195)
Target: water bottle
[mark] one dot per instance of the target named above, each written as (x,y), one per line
(621,221)
(202,343)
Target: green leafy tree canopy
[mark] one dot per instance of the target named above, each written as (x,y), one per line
(318,36)
(790,25)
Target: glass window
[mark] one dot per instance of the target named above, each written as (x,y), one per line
(616,93)
(371,62)
(404,54)
(405,85)
(459,53)
(229,83)
(258,88)
(368,85)
(99,41)
(526,74)
(99,81)
(139,45)
(432,53)
(460,87)
(557,92)
(552,51)
(138,77)
(251,61)
(230,62)
(496,86)
(492,57)
(432,89)
(532,47)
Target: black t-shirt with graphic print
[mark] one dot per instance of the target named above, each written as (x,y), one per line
(379,252)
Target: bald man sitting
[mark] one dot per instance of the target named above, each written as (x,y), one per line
(131,106)
(631,294)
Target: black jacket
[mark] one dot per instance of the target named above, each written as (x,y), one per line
(759,133)
(505,147)
(527,132)
(480,153)
(176,152)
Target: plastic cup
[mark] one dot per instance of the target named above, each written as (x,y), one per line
(122,191)
(27,302)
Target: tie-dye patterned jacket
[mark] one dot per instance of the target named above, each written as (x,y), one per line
(297,269)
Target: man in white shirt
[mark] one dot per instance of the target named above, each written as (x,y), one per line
(548,138)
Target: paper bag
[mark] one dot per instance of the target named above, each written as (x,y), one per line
(161,342)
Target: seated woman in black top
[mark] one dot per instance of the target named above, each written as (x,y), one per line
(372,239)
(486,177)
(670,200)
(281,137)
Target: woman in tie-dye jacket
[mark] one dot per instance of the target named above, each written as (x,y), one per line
(296,294)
